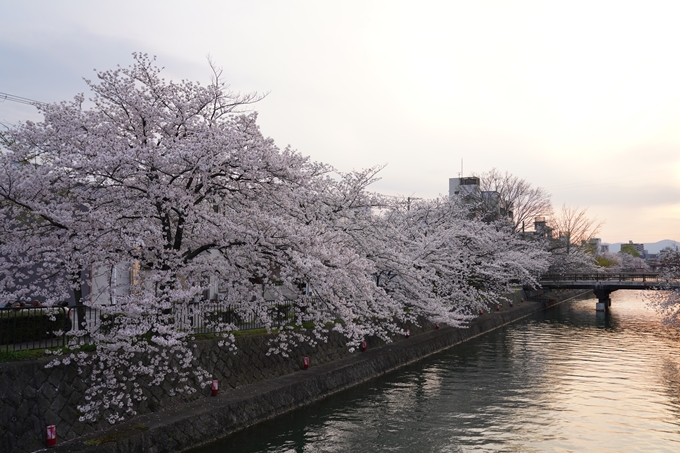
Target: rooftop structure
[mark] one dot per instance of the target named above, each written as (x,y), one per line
(541,228)
(463,186)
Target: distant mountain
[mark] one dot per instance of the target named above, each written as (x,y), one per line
(654,247)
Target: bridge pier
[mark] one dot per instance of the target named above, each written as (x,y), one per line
(603,299)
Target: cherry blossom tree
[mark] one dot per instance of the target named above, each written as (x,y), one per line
(171,177)
(631,261)
(621,262)
(435,258)
(667,302)
(175,181)
(473,262)
(166,175)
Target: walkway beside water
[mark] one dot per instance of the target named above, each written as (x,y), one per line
(208,419)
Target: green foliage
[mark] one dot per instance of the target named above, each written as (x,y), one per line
(30,354)
(251,332)
(11,356)
(630,250)
(603,261)
(85,347)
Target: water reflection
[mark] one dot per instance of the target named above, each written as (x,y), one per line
(570,379)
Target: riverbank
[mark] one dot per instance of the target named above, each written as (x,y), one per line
(204,420)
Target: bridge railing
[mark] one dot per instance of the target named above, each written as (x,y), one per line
(646,277)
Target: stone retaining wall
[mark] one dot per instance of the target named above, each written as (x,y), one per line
(254,387)
(33,397)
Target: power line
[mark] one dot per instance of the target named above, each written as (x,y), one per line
(21,100)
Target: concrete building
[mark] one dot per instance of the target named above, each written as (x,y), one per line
(541,228)
(597,247)
(463,186)
(489,201)
(640,248)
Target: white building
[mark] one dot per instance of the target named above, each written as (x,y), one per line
(640,248)
(463,186)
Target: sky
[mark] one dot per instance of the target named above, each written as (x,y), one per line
(579,98)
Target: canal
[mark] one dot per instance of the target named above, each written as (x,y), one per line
(565,380)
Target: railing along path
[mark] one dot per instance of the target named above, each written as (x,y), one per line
(648,277)
(25,328)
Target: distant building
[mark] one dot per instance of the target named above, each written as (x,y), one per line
(652,260)
(640,248)
(595,244)
(463,186)
(541,228)
(490,201)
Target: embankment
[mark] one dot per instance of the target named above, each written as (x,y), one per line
(201,421)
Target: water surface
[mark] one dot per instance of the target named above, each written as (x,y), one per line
(565,380)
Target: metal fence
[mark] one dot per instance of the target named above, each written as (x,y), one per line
(215,317)
(651,277)
(25,328)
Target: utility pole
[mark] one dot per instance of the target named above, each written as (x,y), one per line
(408,202)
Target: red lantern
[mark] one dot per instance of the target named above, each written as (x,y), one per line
(214,387)
(363,346)
(51,435)
(305,363)
(408,334)
(510,304)
(436,326)
(498,308)
(481,312)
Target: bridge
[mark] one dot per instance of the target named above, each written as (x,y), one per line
(605,284)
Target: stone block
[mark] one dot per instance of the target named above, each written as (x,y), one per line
(29,392)
(56,376)
(29,442)
(17,386)
(23,411)
(50,418)
(66,389)
(48,392)
(12,399)
(39,377)
(58,403)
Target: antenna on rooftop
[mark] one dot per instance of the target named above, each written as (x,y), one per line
(461,168)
